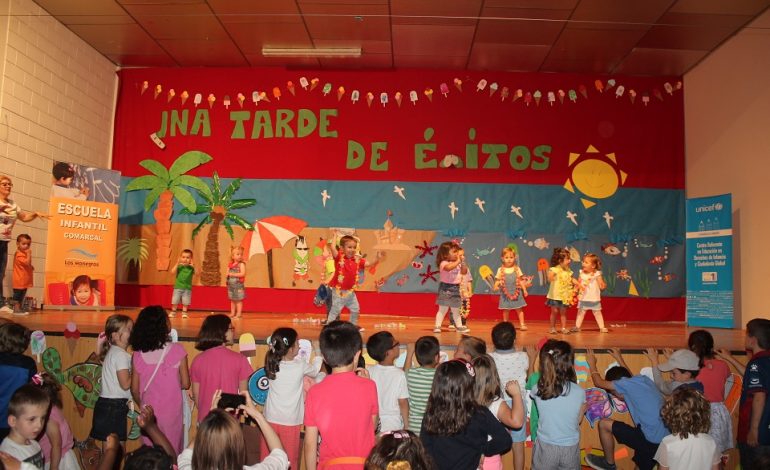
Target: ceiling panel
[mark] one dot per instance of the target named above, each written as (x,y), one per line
(251,37)
(376,61)
(590,44)
(215,53)
(430,61)
(695,32)
(428,39)
(347,21)
(613,11)
(132,60)
(644,61)
(178,21)
(507,57)
(721,7)
(118,39)
(523,32)
(255,8)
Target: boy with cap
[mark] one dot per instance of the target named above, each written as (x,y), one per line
(683,365)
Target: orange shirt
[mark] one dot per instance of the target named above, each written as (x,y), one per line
(22,270)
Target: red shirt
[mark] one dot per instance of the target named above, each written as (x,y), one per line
(348,267)
(713,375)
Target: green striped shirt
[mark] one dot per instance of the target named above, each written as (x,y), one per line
(419,381)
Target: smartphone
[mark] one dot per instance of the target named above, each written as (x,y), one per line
(231,400)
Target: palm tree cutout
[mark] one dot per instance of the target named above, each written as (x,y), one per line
(133,252)
(218,207)
(165,185)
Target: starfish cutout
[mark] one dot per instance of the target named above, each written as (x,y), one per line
(325,196)
(426,249)
(428,274)
(400,191)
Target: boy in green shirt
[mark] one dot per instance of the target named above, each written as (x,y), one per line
(184,271)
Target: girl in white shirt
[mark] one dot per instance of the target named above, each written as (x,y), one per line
(590,287)
(285,405)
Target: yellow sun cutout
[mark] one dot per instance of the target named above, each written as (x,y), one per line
(594,176)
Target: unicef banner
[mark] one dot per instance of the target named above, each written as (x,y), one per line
(709,254)
(80,259)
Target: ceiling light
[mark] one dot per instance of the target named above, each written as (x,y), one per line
(311,52)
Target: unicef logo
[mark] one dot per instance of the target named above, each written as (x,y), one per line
(718,206)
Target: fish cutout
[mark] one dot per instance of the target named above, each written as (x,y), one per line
(259,386)
(403,279)
(541,244)
(610,249)
(84,380)
(657,260)
(483,252)
(599,405)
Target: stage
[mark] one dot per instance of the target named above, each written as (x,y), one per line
(627,336)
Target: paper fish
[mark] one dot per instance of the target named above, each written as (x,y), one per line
(657,260)
(305,350)
(541,244)
(483,252)
(417,264)
(83,380)
(581,368)
(574,254)
(610,249)
(599,405)
(402,280)
(668,277)
(258,386)
(623,274)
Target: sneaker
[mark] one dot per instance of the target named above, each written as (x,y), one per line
(574,329)
(361,329)
(463,329)
(552,331)
(564,331)
(6,309)
(172,314)
(523,328)
(324,322)
(604,330)
(451,327)
(184,315)
(21,314)
(437,330)
(599,463)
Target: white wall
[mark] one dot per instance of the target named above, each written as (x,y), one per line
(57,97)
(727,127)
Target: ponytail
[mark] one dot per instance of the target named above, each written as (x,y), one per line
(557,369)
(278,345)
(113,325)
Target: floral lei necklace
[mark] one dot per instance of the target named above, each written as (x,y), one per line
(565,288)
(504,288)
(341,278)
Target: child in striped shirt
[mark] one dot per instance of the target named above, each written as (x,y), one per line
(419,380)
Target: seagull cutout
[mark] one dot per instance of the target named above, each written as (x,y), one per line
(517,211)
(572,216)
(608,218)
(453,209)
(325,197)
(400,191)
(480,203)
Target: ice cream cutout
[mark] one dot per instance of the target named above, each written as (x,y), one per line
(198,99)
(340,93)
(519,93)
(669,89)
(656,92)
(632,95)
(241,98)
(255,97)
(247,346)
(537,96)
(369,98)
(211,100)
(303,83)
(37,344)
(354,97)
(277,93)
(413,97)
(71,335)
(504,94)
(458,84)
(573,96)
(583,91)
(551,98)
(327,88)
(645,98)
(492,89)
(290,87)
(313,83)
(528,98)
(383,99)
(619,91)
(263,96)
(599,86)
(145,86)
(481,85)
(170,95)
(398,97)
(158,91)
(226,102)
(610,83)
(184,96)
(561,96)
(444,89)
(429,93)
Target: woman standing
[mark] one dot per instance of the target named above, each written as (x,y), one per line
(9,212)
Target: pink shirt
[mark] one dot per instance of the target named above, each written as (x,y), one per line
(217,368)
(713,376)
(452,276)
(341,406)
(64,429)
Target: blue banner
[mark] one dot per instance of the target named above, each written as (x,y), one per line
(709,254)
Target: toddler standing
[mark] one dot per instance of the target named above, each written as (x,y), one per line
(22,268)
(184,271)
(512,287)
(452,266)
(236,275)
(590,287)
(561,291)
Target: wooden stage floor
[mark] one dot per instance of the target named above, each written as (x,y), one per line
(628,336)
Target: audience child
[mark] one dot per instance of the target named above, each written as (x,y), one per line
(285,405)
(683,365)
(217,367)
(713,375)
(644,403)
(22,268)
(456,430)
(511,365)
(342,408)
(159,372)
(687,415)
(399,450)
(561,290)
(26,418)
(754,412)
(111,407)
(392,392)
(184,271)
(16,368)
(466,292)
(489,393)
(451,265)
(561,403)
(236,277)
(57,440)
(509,281)
(63,174)
(419,380)
(220,445)
(161,455)
(590,287)
(347,265)
(533,378)
(469,348)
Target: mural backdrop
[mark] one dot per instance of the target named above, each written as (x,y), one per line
(279,161)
